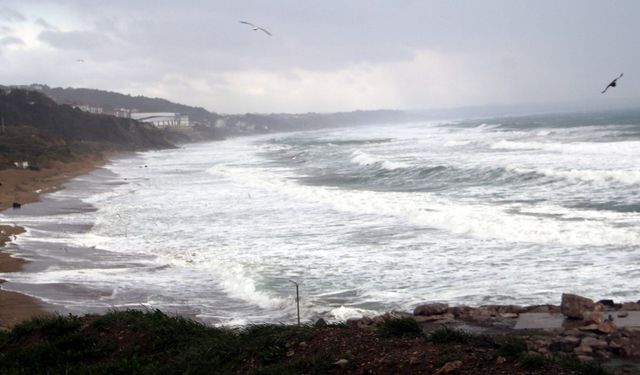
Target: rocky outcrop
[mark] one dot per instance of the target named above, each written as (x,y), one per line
(588,333)
(431,309)
(578,307)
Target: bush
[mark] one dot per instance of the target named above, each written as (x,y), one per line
(449,335)
(404,327)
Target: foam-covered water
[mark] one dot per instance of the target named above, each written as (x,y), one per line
(366,219)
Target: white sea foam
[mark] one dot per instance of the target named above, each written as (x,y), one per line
(601,177)
(343,313)
(365,159)
(628,148)
(477,220)
(218,229)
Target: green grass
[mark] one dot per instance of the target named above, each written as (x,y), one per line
(143,342)
(446,335)
(511,347)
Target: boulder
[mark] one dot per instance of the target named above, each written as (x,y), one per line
(575,307)
(564,344)
(460,312)
(433,318)
(592,317)
(431,309)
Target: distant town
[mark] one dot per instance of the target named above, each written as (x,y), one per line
(159,119)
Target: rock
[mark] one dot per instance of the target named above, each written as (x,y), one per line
(342,363)
(575,307)
(542,309)
(504,309)
(606,302)
(585,358)
(448,367)
(630,306)
(582,350)
(480,315)
(591,327)
(593,343)
(592,317)
(364,322)
(353,322)
(459,312)
(500,360)
(610,304)
(621,347)
(433,318)
(606,327)
(320,323)
(509,315)
(431,309)
(397,314)
(564,344)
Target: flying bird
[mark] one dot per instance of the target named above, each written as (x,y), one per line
(256,28)
(612,84)
(80,60)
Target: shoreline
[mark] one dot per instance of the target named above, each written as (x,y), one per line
(26,186)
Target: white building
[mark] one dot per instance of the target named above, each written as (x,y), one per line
(21,164)
(162,119)
(88,108)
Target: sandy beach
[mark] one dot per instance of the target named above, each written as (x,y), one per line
(25,186)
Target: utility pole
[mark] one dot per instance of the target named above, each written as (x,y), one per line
(297,300)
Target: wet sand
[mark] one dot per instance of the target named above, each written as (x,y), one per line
(25,186)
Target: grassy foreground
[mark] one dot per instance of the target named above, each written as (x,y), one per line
(149,342)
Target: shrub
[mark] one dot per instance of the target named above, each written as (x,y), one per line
(404,327)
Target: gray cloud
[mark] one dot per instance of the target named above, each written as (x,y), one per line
(78,40)
(331,55)
(9,40)
(44,24)
(11,15)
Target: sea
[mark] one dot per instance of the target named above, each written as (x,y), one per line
(364,219)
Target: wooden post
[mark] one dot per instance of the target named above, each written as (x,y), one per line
(297,300)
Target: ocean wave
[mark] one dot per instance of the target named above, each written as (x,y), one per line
(627,148)
(483,221)
(367,160)
(599,177)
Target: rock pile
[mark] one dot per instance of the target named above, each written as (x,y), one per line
(580,327)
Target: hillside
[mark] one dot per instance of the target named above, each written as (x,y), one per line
(37,128)
(110,101)
(211,125)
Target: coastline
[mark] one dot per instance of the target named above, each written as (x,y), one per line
(25,186)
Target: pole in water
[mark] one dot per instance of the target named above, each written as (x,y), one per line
(297,300)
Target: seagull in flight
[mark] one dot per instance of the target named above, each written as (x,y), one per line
(256,28)
(612,84)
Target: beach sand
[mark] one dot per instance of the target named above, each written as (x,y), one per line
(24,186)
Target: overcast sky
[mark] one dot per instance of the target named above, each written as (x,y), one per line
(327,55)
